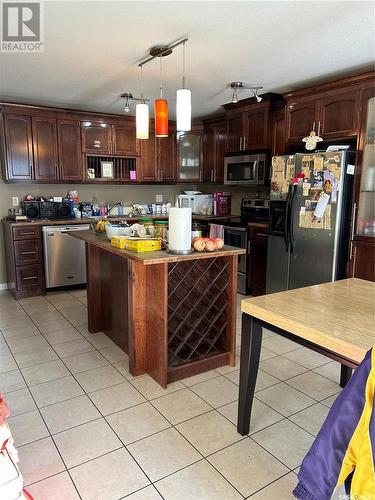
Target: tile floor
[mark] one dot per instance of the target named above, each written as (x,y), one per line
(86,428)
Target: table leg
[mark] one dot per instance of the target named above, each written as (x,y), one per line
(251,342)
(345,375)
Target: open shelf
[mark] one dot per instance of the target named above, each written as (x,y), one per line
(122,168)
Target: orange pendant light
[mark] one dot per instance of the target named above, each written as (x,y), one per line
(161,118)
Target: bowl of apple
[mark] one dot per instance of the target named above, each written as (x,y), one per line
(207,244)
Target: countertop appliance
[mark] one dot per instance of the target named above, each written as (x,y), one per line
(245,169)
(200,204)
(309,231)
(236,233)
(46,210)
(64,256)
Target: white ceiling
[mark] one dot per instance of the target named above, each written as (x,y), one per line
(92,50)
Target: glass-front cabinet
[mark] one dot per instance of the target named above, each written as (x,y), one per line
(366,208)
(189,156)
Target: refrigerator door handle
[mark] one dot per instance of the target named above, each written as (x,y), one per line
(286,225)
(291,210)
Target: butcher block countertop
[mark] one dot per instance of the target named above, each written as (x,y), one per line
(148,258)
(339,316)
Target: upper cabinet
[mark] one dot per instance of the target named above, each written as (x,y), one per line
(45,148)
(124,141)
(69,148)
(97,137)
(339,114)
(19,161)
(190,155)
(235,131)
(278,130)
(166,156)
(301,118)
(214,145)
(256,127)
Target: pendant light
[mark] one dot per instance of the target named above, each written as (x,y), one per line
(183,106)
(161,111)
(142,115)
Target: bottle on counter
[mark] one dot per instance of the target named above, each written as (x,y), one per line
(196,230)
(95,207)
(161,231)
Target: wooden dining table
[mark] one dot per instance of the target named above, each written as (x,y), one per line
(336,319)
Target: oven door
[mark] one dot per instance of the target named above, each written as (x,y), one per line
(237,237)
(241,170)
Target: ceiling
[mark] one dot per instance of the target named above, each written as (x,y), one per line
(92,50)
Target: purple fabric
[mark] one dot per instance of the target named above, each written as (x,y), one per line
(372,434)
(321,466)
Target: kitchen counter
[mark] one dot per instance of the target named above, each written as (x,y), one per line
(174,315)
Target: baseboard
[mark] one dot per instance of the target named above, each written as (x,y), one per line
(3,286)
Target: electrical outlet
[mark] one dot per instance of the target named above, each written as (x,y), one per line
(159,198)
(15,201)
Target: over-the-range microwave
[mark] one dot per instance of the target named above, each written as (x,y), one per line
(245,169)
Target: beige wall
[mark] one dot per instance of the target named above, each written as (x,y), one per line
(128,194)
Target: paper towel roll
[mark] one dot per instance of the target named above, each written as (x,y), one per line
(179,230)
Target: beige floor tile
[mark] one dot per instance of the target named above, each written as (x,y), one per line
(181,405)
(55,391)
(201,377)
(148,493)
(100,340)
(70,413)
(7,363)
(282,368)
(199,481)
(330,370)
(266,354)
(313,384)
(329,401)
(11,381)
(20,332)
(67,335)
(209,432)
(285,441)
(58,487)
(83,329)
(39,460)
(114,354)
(280,345)
(62,301)
(73,347)
(11,310)
(83,362)
(47,316)
(247,466)
(163,453)
(312,418)
(27,427)
(308,358)
(151,389)
(86,442)
(280,489)
(263,379)
(18,345)
(36,309)
(261,415)
(45,372)
(284,399)
(99,378)
(22,321)
(35,357)
(3,347)
(217,391)
(54,325)
(117,397)
(123,368)
(111,476)
(75,310)
(19,401)
(137,422)
(79,320)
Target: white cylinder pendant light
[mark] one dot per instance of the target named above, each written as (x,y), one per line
(142,120)
(183,106)
(183,110)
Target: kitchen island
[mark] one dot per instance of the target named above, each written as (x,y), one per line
(175,315)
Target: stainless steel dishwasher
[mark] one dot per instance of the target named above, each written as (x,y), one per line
(64,256)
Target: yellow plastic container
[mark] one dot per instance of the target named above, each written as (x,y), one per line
(119,241)
(143,245)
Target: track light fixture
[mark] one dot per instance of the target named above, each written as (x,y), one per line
(128,96)
(236,86)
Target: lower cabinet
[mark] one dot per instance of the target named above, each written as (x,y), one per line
(257,260)
(362,264)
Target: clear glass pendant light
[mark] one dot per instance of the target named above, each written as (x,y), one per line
(183,106)
(142,116)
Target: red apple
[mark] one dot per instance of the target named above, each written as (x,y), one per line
(199,245)
(211,245)
(219,243)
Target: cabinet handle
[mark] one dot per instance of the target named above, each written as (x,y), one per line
(26,234)
(27,253)
(244,143)
(313,127)
(262,235)
(354,212)
(240,143)
(319,128)
(30,278)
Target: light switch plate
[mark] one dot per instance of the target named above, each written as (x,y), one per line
(15,201)
(159,198)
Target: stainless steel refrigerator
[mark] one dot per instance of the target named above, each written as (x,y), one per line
(310,212)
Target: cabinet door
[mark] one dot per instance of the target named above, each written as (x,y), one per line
(300,118)
(221,139)
(166,153)
(234,132)
(209,154)
(45,148)
(96,138)
(18,147)
(363,262)
(278,132)
(256,126)
(125,142)
(189,156)
(339,115)
(70,155)
(149,163)
(257,262)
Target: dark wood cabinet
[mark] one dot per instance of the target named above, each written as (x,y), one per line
(18,147)
(45,148)
(256,127)
(278,131)
(363,259)
(124,139)
(166,154)
(257,260)
(96,137)
(339,114)
(234,132)
(149,163)
(214,145)
(190,154)
(70,151)
(301,118)
(28,252)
